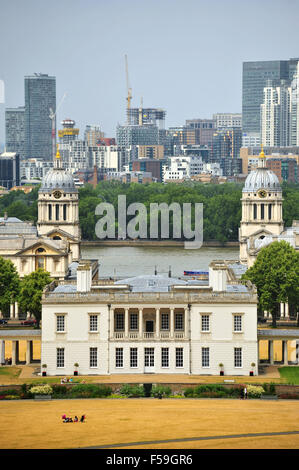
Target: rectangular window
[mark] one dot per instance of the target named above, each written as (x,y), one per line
(164,321)
(205,323)
(60,357)
(165,357)
(119,357)
(179,358)
(93,323)
(238,357)
(93,357)
(237,322)
(205,357)
(60,323)
(179,321)
(134,321)
(120,323)
(133,357)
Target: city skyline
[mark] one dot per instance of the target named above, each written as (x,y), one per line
(176,53)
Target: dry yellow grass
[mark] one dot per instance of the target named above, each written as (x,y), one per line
(32,425)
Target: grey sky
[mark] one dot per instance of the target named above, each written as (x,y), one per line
(184,56)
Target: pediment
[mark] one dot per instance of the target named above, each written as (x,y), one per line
(261,232)
(61,233)
(50,250)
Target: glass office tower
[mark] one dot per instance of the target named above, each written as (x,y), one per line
(40,97)
(255,76)
(15,130)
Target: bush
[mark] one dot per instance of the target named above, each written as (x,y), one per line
(9,391)
(289,396)
(189,392)
(255,391)
(210,388)
(90,391)
(160,390)
(41,390)
(59,390)
(132,390)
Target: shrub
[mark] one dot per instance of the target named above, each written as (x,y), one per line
(209,388)
(90,391)
(9,391)
(289,396)
(212,394)
(189,392)
(159,389)
(132,390)
(41,390)
(59,390)
(255,391)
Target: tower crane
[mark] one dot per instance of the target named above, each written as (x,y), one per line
(129,89)
(52,116)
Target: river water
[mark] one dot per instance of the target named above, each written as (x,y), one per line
(132,261)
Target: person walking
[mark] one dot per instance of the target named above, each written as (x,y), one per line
(245,392)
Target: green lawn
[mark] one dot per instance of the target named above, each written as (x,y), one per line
(290,374)
(13,372)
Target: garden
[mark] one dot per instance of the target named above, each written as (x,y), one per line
(80,390)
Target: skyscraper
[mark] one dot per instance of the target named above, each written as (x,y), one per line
(40,98)
(15,130)
(255,76)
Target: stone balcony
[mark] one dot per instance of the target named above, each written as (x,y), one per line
(148,336)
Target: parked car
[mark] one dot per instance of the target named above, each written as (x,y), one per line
(3,322)
(29,322)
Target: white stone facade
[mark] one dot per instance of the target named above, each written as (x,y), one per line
(187,328)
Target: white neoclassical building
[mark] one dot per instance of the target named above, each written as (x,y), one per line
(55,243)
(151,324)
(262,221)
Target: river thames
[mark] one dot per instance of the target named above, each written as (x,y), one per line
(129,261)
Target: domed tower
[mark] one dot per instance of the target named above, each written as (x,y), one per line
(58,207)
(261,211)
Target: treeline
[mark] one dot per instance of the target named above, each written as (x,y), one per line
(221,204)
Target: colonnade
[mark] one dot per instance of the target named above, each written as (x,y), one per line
(14,312)
(15,351)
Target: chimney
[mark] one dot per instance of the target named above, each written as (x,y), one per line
(84,276)
(218,276)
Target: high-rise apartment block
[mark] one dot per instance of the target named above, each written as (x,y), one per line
(93,135)
(276,114)
(137,135)
(40,99)
(15,130)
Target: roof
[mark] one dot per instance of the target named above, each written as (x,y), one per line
(58,178)
(261,178)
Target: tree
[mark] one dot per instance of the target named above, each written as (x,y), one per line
(9,284)
(32,287)
(276,276)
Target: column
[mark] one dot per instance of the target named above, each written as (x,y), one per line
(140,322)
(258,355)
(17,310)
(2,354)
(111,322)
(281,310)
(126,322)
(285,352)
(287,316)
(171,322)
(157,323)
(12,311)
(13,353)
(270,346)
(186,327)
(28,352)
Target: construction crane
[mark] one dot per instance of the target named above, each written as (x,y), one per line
(52,116)
(129,89)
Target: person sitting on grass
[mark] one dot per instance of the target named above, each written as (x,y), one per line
(82,419)
(76,419)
